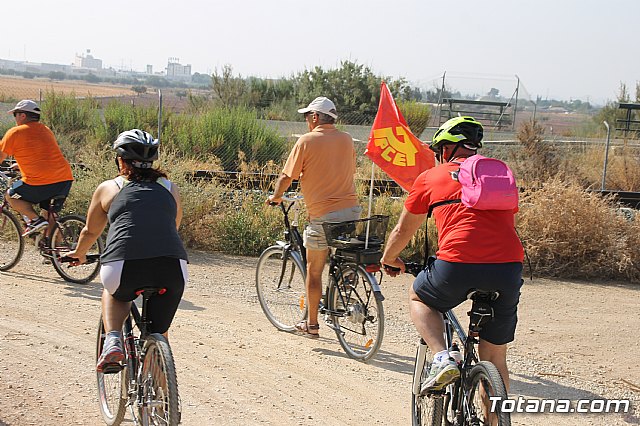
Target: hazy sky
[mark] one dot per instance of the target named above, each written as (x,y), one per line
(559,48)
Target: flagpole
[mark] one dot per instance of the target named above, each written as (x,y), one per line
(366,241)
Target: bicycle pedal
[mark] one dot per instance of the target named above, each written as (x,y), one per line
(112,368)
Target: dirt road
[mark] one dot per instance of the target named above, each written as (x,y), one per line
(575,340)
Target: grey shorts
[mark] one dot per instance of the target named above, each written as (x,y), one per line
(314,238)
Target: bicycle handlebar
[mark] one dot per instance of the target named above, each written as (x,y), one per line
(412,268)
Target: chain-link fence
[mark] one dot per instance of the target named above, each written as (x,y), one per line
(193,124)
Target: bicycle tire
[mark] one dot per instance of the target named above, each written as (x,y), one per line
(487,374)
(426,410)
(160,402)
(359,325)
(112,388)
(280,285)
(64,237)
(11,241)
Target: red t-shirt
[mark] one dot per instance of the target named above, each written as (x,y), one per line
(464,235)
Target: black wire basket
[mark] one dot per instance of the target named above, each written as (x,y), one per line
(352,234)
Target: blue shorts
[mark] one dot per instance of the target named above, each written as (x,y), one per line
(39,194)
(444,285)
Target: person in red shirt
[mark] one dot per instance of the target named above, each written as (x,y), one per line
(477,249)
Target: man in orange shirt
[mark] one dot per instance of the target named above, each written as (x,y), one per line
(324,159)
(45,172)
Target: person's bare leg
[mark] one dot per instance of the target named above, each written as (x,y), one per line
(114,312)
(497,355)
(315,265)
(23,207)
(428,322)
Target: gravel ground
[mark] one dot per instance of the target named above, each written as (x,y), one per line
(575,340)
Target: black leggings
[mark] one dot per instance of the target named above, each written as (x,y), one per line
(163,272)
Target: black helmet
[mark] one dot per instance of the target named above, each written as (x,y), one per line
(137,145)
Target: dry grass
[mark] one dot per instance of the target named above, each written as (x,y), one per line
(569,232)
(23,88)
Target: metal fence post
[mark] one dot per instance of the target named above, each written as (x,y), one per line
(606,155)
(159,113)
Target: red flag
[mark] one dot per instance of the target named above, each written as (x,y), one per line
(393,147)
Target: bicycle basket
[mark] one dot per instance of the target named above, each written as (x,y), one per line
(352,234)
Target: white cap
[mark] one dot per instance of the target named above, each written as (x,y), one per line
(321,104)
(26,105)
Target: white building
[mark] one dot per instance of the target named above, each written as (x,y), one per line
(87,61)
(177,71)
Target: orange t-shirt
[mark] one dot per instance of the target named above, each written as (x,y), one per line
(464,235)
(37,152)
(325,162)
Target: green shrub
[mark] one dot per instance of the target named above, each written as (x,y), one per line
(417,115)
(231,134)
(72,120)
(119,117)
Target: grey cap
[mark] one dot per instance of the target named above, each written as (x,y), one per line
(26,105)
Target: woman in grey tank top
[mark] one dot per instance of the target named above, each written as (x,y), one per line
(143,247)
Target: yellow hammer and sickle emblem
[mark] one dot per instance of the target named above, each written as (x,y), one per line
(399,153)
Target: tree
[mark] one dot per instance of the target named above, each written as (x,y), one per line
(229,90)
(57,75)
(353,87)
(139,89)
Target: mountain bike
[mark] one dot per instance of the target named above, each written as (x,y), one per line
(146,382)
(60,236)
(465,401)
(352,301)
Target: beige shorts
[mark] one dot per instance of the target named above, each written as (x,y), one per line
(314,238)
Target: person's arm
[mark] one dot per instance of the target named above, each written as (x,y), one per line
(96,221)
(402,233)
(3,155)
(176,194)
(282,184)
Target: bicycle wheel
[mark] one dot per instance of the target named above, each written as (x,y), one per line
(11,241)
(280,284)
(159,404)
(112,388)
(358,317)
(65,238)
(425,410)
(485,382)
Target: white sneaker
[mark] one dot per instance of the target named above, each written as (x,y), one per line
(440,375)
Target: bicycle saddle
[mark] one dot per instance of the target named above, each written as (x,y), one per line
(151,291)
(486,295)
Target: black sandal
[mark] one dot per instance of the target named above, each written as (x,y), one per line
(306,328)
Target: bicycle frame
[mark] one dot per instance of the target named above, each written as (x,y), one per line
(293,240)
(133,347)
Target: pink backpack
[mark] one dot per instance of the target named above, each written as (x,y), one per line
(487,184)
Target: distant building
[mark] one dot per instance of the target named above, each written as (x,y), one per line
(150,69)
(87,61)
(177,71)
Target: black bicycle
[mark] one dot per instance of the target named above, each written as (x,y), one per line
(352,300)
(146,382)
(60,236)
(467,400)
